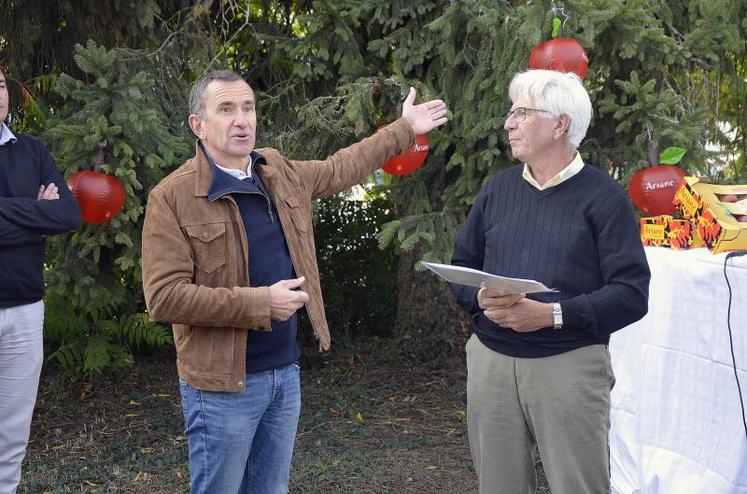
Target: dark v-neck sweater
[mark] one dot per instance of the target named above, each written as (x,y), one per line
(24,221)
(581,237)
(269,261)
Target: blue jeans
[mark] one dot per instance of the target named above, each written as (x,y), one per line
(243,442)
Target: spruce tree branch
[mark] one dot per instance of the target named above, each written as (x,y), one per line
(167,42)
(674,32)
(229,42)
(680,40)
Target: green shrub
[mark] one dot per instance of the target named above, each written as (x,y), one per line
(359,281)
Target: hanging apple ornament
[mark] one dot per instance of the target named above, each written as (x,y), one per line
(99,196)
(560,54)
(409,160)
(652,189)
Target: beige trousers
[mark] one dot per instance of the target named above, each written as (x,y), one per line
(558,404)
(21,355)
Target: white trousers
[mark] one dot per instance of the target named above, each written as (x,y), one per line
(21,355)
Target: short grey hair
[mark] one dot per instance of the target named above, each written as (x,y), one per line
(558,94)
(197,93)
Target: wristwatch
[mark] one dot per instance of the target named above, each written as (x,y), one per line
(557,316)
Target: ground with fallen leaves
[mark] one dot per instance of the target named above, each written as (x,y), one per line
(370,424)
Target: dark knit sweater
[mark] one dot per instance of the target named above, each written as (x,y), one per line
(269,262)
(25,165)
(581,237)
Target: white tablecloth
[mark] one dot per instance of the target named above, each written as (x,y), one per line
(676,422)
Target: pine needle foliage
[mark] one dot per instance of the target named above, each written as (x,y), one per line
(654,68)
(110,121)
(329,73)
(661,74)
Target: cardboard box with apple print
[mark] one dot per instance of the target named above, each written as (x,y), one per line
(667,231)
(719,212)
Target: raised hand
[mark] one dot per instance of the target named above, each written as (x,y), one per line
(425,116)
(286,298)
(48,193)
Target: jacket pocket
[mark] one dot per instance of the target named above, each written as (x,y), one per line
(208,245)
(299,217)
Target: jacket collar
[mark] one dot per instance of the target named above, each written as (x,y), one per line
(205,169)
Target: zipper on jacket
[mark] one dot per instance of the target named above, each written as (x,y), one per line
(225,192)
(294,264)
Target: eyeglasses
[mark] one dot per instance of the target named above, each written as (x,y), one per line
(520,113)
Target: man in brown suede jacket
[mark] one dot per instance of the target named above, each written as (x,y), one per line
(228,258)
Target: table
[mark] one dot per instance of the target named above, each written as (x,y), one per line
(676,419)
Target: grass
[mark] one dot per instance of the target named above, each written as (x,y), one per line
(370,424)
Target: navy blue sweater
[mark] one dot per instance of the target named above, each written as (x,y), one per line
(581,237)
(24,166)
(269,262)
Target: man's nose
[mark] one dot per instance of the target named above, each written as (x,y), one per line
(241,120)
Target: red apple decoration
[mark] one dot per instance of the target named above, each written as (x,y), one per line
(410,160)
(561,54)
(100,196)
(652,189)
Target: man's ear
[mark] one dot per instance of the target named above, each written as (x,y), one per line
(195,123)
(563,126)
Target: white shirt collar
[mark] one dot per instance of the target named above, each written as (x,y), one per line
(573,168)
(6,135)
(240,174)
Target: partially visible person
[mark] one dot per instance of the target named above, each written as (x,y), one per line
(539,371)
(34,202)
(229,258)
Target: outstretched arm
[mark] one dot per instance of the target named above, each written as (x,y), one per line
(351,165)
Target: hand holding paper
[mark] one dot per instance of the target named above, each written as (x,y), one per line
(496,298)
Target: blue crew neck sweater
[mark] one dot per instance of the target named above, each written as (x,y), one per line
(581,237)
(269,262)
(24,221)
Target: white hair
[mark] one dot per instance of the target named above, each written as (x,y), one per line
(558,94)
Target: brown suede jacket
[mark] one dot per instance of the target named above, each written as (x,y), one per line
(195,253)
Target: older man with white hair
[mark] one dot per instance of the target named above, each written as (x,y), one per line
(539,371)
